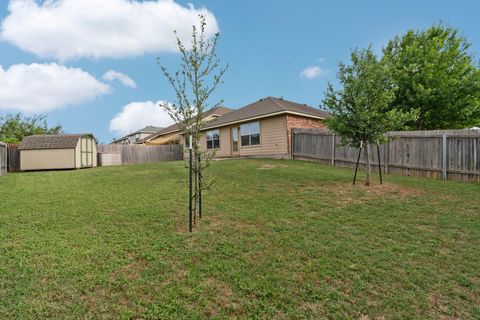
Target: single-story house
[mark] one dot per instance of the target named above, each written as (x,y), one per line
(63,151)
(173,135)
(136,136)
(260,129)
(3,158)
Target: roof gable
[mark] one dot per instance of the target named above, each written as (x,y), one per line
(147,129)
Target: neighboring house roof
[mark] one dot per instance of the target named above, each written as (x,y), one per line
(267,107)
(51,141)
(219,111)
(147,129)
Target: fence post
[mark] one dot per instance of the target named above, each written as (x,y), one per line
(444,156)
(475,141)
(387,157)
(333,149)
(292,146)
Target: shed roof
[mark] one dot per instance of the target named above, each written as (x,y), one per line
(51,141)
(265,107)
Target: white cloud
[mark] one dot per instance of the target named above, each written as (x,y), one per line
(112,75)
(137,115)
(37,88)
(69,29)
(313,72)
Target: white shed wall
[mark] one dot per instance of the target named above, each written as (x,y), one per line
(86,153)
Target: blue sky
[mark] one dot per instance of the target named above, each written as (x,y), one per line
(266,43)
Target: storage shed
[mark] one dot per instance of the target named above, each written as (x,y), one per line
(3,158)
(65,151)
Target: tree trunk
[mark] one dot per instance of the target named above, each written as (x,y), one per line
(419,123)
(367,165)
(197,179)
(195,188)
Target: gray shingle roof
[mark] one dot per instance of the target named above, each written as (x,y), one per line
(151,129)
(264,107)
(147,129)
(51,141)
(174,127)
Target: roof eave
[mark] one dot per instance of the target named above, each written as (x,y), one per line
(264,116)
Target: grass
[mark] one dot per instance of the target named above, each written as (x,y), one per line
(279,239)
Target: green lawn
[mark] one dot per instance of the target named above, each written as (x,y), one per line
(279,239)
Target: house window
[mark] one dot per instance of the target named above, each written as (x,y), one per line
(213,139)
(137,137)
(250,133)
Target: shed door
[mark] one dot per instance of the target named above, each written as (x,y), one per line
(86,152)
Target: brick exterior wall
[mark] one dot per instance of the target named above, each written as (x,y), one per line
(294,121)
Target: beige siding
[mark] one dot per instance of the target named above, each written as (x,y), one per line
(47,159)
(225,149)
(273,139)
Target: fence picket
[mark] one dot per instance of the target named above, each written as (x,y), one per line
(131,154)
(419,153)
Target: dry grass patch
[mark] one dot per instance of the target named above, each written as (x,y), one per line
(314,309)
(269,166)
(360,194)
(131,271)
(222,298)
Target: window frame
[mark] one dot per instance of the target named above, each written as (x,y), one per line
(210,137)
(250,134)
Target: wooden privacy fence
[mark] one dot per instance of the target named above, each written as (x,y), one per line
(3,158)
(13,158)
(131,154)
(442,154)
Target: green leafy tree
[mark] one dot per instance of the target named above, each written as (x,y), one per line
(13,128)
(199,75)
(436,76)
(360,109)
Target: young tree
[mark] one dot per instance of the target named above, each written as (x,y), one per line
(199,75)
(360,110)
(13,128)
(435,74)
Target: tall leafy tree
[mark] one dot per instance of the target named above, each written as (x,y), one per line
(360,109)
(13,128)
(435,74)
(199,75)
